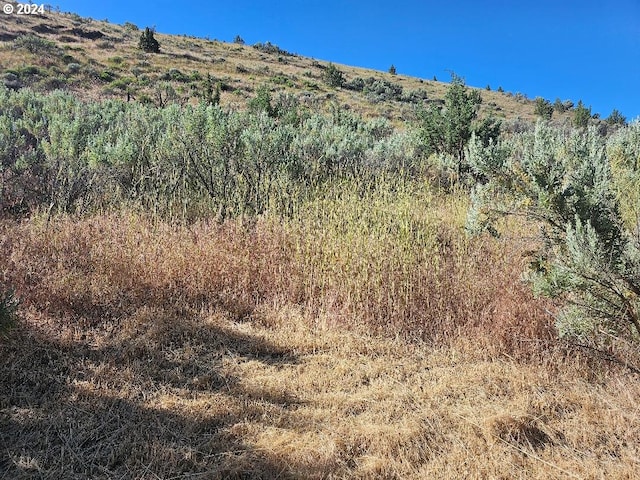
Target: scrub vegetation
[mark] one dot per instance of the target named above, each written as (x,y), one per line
(277,286)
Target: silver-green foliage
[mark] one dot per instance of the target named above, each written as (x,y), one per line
(64,155)
(587,257)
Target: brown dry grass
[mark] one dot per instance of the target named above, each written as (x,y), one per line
(155,351)
(243,68)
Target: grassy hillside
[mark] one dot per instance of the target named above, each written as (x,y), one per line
(97,59)
(189,290)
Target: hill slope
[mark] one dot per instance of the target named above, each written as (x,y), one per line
(195,306)
(97,59)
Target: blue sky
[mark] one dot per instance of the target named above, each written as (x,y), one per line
(567,49)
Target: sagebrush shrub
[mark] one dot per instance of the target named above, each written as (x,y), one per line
(587,257)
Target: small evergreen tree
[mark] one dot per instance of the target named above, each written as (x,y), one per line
(239,40)
(543,108)
(447,130)
(581,115)
(148,43)
(392,69)
(211,91)
(333,76)
(616,118)
(559,106)
(262,102)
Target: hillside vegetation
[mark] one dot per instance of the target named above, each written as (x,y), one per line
(228,261)
(96,59)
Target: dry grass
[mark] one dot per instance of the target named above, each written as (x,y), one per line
(150,351)
(366,337)
(241,67)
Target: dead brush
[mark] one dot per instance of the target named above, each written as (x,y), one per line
(105,267)
(137,353)
(374,263)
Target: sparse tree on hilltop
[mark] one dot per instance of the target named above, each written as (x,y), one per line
(543,108)
(148,43)
(581,115)
(392,69)
(333,76)
(616,118)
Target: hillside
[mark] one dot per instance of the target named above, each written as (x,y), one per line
(304,291)
(96,59)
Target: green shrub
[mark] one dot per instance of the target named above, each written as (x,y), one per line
(73,68)
(415,96)
(68,59)
(30,70)
(616,118)
(181,161)
(446,130)
(581,115)
(175,75)
(53,83)
(12,81)
(587,258)
(543,108)
(262,101)
(116,61)
(34,44)
(333,77)
(270,48)
(559,106)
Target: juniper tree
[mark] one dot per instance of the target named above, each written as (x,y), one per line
(616,118)
(148,43)
(262,101)
(581,115)
(211,92)
(333,76)
(543,108)
(447,129)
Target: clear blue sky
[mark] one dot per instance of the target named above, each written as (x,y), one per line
(571,49)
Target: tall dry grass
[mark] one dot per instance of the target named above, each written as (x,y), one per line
(394,260)
(366,337)
(397,259)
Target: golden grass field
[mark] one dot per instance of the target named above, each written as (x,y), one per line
(210,351)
